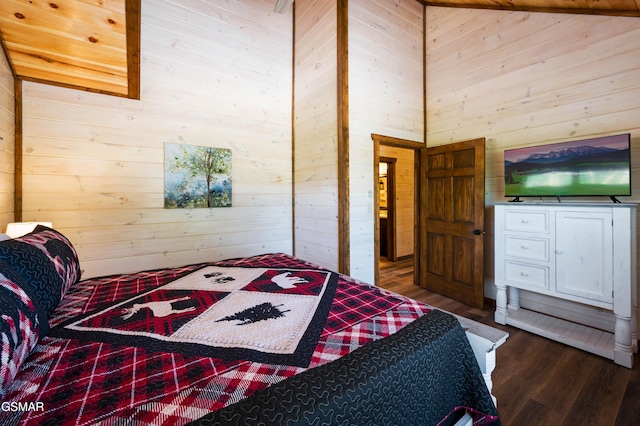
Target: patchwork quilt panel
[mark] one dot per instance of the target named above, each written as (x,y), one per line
(271,315)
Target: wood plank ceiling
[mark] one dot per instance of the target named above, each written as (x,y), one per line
(86,44)
(94,45)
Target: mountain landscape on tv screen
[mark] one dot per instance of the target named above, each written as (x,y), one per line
(576,170)
(571,157)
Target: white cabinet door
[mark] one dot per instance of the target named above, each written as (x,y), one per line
(584,254)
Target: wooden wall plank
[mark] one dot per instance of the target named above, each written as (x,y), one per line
(94,164)
(522,79)
(386,91)
(316,133)
(7,142)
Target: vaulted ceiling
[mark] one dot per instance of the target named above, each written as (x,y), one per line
(94,45)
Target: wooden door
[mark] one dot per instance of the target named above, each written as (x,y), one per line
(452,221)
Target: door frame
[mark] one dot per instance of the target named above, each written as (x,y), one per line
(417,147)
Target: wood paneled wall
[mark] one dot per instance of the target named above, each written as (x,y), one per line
(316,133)
(385,96)
(520,79)
(386,90)
(213,74)
(219,74)
(404,197)
(7,142)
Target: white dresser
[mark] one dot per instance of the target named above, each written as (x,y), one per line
(581,252)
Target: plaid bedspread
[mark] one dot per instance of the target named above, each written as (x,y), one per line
(72,381)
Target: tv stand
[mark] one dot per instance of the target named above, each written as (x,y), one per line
(578,255)
(615,200)
(516,200)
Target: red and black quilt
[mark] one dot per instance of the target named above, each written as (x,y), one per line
(270,315)
(172,346)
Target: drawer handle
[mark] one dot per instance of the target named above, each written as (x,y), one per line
(524,274)
(525,221)
(525,247)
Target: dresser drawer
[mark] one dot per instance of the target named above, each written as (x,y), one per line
(522,220)
(526,276)
(527,248)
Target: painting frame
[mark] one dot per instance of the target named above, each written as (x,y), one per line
(197,176)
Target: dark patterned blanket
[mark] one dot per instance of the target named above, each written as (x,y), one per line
(109,358)
(413,377)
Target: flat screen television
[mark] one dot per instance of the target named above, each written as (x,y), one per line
(588,167)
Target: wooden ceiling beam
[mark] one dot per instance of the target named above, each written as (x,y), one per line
(617,9)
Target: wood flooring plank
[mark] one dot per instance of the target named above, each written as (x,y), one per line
(564,374)
(630,406)
(598,401)
(538,381)
(532,413)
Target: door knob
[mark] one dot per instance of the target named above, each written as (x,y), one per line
(478,232)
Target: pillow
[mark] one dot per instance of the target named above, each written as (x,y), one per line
(20,326)
(46,262)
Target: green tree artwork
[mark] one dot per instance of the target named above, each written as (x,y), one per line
(196,176)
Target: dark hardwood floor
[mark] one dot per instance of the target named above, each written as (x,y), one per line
(538,381)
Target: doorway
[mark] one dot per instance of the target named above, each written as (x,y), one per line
(387,210)
(448,220)
(404,225)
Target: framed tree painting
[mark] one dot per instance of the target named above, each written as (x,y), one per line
(196,176)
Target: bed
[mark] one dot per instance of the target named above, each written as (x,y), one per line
(268,339)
